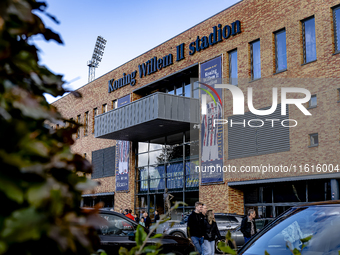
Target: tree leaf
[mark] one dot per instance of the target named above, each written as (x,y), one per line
(140,235)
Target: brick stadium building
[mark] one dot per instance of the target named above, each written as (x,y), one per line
(145,133)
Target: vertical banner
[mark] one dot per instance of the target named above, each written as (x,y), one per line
(211,137)
(122,156)
(122,165)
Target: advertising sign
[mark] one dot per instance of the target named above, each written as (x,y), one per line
(211,136)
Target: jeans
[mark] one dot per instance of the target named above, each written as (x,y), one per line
(246,239)
(208,247)
(197,241)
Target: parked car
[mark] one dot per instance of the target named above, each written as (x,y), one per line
(117,230)
(238,237)
(318,222)
(224,222)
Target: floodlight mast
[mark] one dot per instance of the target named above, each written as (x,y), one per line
(96,57)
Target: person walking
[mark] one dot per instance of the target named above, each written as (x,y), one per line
(248,227)
(156,218)
(211,233)
(141,222)
(195,227)
(136,218)
(147,220)
(129,215)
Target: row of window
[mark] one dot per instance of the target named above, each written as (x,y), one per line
(309,49)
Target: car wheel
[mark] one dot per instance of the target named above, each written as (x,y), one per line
(223,240)
(178,234)
(216,246)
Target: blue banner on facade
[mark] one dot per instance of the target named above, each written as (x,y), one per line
(211,137)
(122,165)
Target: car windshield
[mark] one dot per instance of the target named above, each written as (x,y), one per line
(319,224)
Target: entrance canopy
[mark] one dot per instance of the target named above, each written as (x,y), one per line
(149,117)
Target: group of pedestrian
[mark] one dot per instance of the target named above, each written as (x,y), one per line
(202,229)
(144,218)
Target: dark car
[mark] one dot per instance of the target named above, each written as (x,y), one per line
(312,228)
(117,230)
(238,237)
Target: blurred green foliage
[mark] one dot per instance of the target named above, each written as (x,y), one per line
(40,184)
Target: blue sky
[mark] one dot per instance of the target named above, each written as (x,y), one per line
(130,27)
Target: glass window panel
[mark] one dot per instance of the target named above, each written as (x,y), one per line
(192,177)
(175,153)
(143,159)
(192,149)
(310,42)
(233,67)
(290,192)
(252,195)
(187,90)
(154,146)
(256,59)
(192,135)
(143,186)
(314,139)
(267,194)
(156,157)
(175,139)
(143,173)
(313,101)
(157,144)
(142,147)
(281,51)
(336,16)
(157,180)
(179,91)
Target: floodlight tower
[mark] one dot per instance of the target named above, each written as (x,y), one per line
(96,57)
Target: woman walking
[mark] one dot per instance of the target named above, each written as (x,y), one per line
(211,233)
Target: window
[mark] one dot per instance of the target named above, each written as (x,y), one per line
(336,22)
(78,131)
(314,140)
(95,113)
(233,67)
(255,59)
(104,108)
(338,95)
(312,102)
(309,42)
(114,104)
(103,162)
(280,51)
(86,123)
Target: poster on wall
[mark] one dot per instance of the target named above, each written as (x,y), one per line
(211,137)
(122,165)
(122,156)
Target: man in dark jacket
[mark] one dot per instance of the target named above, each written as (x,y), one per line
(147,220)
(156,216)
(195,228)
(248,227)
